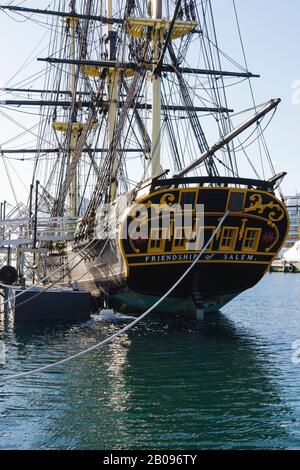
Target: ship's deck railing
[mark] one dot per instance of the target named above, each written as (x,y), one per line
(14,232)
(223,181)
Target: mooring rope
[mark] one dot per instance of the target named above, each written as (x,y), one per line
(127,327)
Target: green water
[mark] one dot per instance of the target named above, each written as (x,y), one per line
(226,383)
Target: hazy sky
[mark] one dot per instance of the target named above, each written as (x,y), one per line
(270,30)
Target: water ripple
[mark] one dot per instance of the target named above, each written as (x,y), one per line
(170,383)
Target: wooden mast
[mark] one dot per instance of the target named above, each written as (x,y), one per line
(156,13)
(74,130)
(113,84)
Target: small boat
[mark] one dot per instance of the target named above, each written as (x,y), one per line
(290,263)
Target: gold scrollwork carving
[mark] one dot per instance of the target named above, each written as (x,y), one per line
(167,199)
(165,203)
(276,211)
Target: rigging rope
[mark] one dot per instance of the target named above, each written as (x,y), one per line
(127,327)
(56,270)
(11,309)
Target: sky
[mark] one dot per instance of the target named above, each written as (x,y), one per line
(271,34)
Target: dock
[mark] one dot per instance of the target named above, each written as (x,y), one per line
(39,304)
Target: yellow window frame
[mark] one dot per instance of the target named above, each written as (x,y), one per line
(186,243)
(188,190)
(156,235)
(256,239)
(212,228)
(183,241)
(232,238)
(192,245)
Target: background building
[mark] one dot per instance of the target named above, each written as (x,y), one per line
(293,206)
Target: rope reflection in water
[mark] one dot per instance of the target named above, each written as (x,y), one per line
(2,353)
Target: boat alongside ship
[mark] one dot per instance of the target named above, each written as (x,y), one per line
(127,98)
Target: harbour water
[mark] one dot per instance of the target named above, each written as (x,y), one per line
(231,382)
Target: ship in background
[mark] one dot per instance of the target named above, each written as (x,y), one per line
(135,110)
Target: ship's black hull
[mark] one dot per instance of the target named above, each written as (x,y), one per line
(132,274)
(207,287)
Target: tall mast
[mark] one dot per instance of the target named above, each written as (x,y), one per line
(113,83)
(74,131)
(156,11)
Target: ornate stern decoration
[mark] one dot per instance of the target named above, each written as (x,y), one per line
(276,212)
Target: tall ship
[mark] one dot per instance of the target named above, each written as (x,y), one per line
(136,126)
